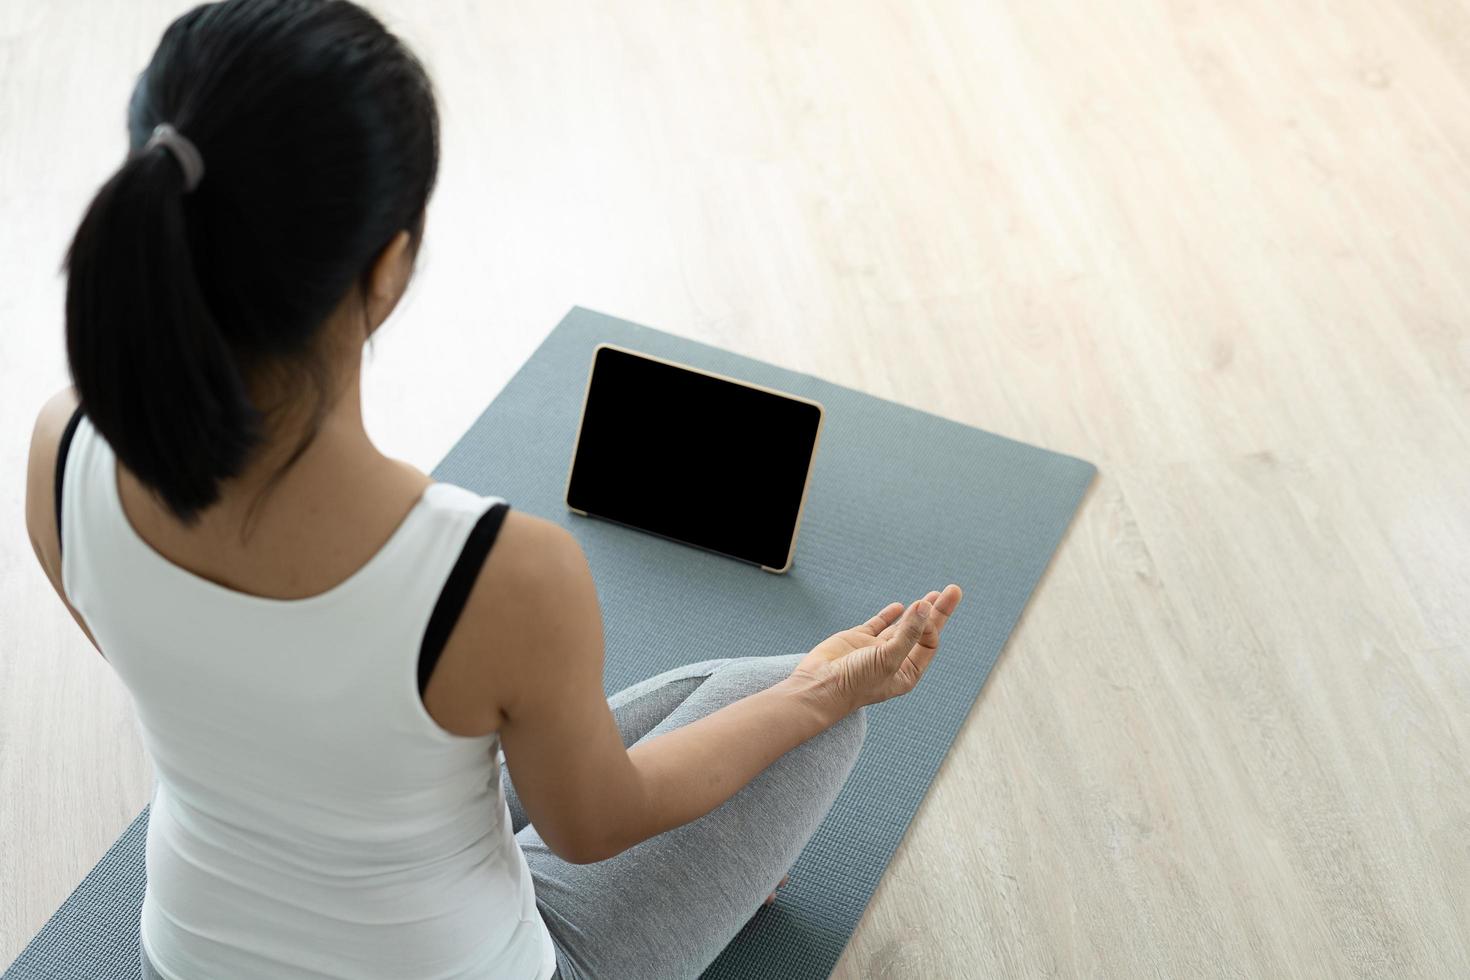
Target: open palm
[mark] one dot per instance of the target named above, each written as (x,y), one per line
(885,656)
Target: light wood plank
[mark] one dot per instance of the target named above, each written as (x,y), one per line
(1221,250)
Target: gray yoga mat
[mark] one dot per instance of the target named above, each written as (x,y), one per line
(901,501)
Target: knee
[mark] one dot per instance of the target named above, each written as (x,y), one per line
(822,764)
(840,744)
(835,751)
(747,675)
(849,734)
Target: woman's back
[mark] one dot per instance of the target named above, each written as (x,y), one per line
(308,806)
(276,594)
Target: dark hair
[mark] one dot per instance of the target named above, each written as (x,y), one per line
(320,141)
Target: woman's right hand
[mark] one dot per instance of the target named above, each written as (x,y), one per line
(881,658)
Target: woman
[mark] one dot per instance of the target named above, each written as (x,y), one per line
(326,653)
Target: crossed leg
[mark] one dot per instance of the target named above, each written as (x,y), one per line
(667,907)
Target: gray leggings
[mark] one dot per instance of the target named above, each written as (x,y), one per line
(667,907)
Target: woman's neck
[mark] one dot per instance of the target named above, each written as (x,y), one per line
(299,428)
(315,449)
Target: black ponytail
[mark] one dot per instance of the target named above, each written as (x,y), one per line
(319,137)
(154,371)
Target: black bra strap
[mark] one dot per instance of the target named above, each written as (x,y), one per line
(61,450)
(456,589)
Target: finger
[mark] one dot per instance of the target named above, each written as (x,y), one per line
(945,603)
(910,627)
(886,615)
(894,623)
(933,598)
(949,599)
(923,652)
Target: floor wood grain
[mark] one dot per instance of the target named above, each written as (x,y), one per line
(1223,250)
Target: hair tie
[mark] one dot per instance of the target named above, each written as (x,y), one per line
(183,150)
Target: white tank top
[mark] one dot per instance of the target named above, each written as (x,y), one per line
(311,819)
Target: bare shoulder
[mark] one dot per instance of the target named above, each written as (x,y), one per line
(41,480)
(531,614)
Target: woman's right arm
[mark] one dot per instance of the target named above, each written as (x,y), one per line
(588,796)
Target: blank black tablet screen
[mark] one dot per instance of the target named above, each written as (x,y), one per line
(698,459)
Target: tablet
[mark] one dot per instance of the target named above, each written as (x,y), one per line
(693,456)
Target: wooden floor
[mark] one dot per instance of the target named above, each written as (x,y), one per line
(1220,249)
